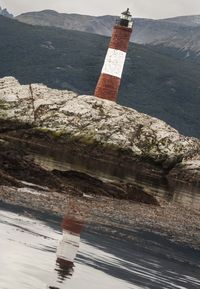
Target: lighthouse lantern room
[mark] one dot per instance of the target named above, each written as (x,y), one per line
(110,78)
(126,19)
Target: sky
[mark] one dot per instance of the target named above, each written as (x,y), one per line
(140,8)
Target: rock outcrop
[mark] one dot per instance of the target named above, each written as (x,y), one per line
(144,149)
(94,120)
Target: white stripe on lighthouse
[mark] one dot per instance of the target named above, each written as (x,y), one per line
(114,62)
(68,246)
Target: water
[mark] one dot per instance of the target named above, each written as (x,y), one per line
(40,252)
(112,168)
(179,192)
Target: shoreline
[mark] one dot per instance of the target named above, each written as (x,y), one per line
(179,225)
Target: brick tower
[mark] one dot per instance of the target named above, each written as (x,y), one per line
(110,78)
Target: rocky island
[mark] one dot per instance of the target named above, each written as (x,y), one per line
(57,146)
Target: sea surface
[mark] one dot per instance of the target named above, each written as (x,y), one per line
(29,245)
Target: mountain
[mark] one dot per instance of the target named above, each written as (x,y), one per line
(192,20)
(181,33)
(98,25)
(152,83)
(4,12)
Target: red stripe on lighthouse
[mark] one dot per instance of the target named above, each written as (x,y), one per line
(107,87)
(120,38)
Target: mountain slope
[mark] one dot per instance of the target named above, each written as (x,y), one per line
(4,12)
(152,83)
(99,25)
(181,33)
(191,20)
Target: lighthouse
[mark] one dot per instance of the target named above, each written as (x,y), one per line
(110,78)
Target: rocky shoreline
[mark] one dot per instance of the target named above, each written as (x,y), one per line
(178,224)
(62,153)
(24,183)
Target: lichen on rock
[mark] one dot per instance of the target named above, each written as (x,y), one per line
(94,120)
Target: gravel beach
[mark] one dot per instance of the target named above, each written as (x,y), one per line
(178,224)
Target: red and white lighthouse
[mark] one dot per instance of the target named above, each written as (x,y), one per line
(110,78)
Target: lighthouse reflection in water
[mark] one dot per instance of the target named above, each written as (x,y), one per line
(67,249)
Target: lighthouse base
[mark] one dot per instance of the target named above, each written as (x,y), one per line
(107,87)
